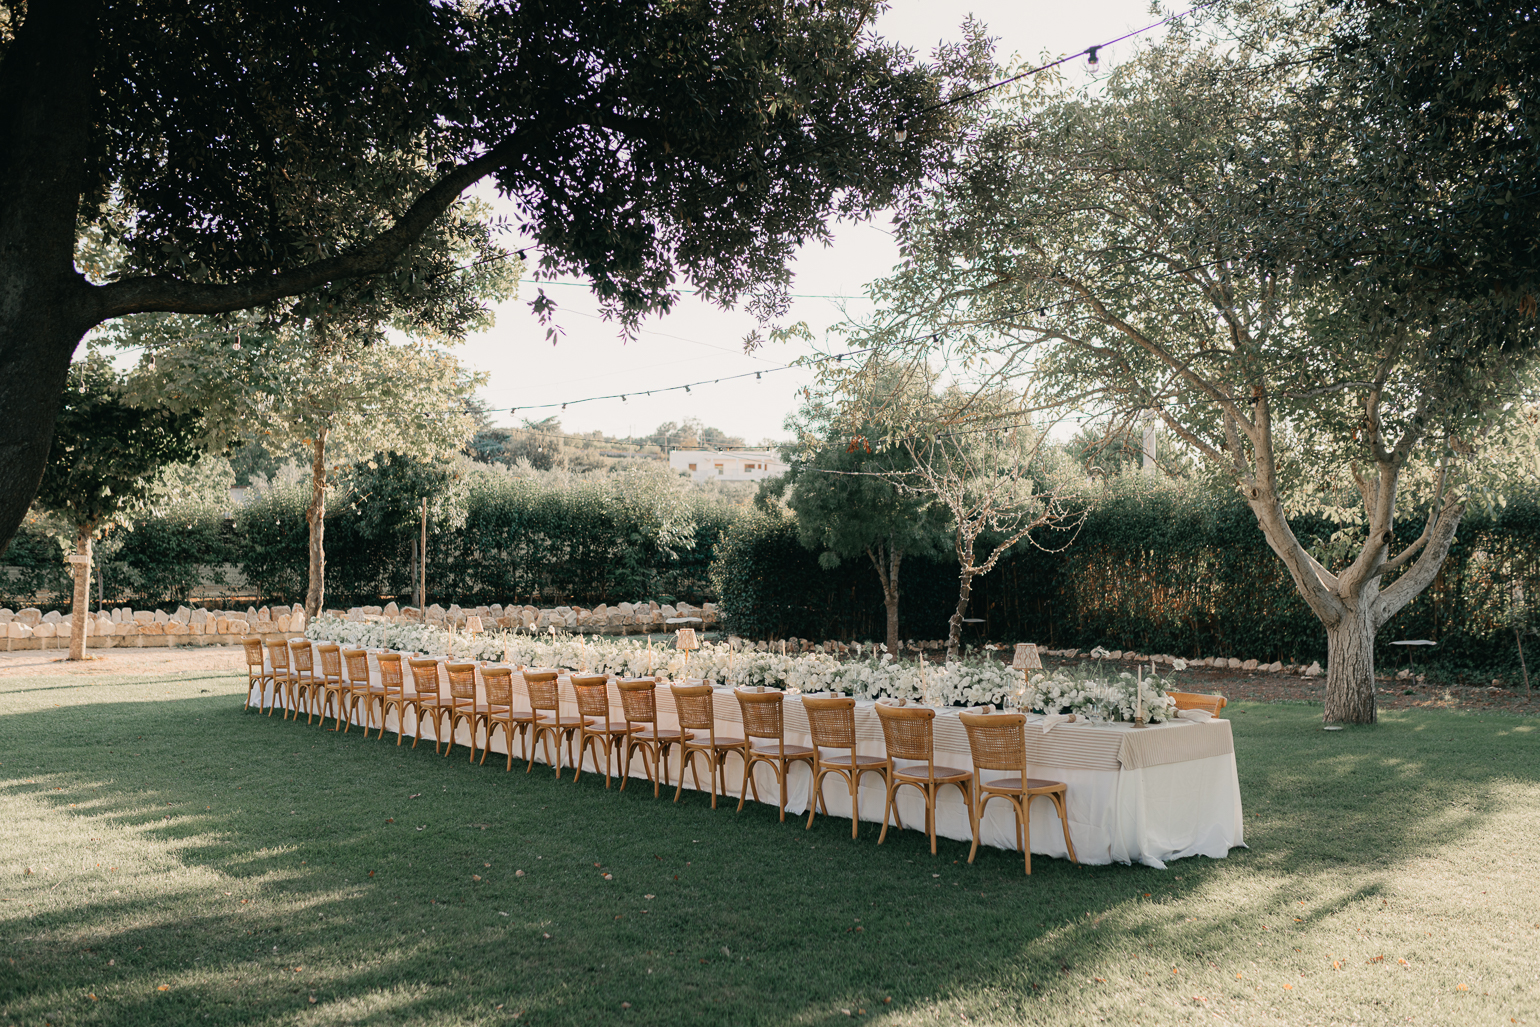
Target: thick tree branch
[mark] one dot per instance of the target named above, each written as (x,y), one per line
(165,293)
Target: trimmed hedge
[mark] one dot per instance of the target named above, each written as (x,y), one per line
(1154,568)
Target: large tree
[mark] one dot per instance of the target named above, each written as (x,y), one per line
(105,455)
(1140,248)
(238,147)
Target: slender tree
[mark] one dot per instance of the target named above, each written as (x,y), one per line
(105,455)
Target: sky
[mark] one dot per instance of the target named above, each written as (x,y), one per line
(698,342)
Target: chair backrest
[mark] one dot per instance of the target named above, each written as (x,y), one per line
(1199,701)
(425,676)
(761,714)
(693,704)
(998,740)
(304,657)
(907,732)
(391,676)
(278,653)
(542,690)
(462,681)
(499,682)
(639,699)
(358,665)
(253,646)
(593,695)
(832,720)
(331,661)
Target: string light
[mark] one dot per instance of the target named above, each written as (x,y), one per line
(1092,62)
(900,130)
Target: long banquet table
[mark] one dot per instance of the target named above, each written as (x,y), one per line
(1145,795)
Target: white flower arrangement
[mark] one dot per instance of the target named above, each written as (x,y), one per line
(969,683)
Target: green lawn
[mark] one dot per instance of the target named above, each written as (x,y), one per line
(167,859)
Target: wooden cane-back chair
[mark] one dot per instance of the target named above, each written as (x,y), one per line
(283,677)
(832,721)
(334,689)
(1214,704)
(361,689)
(599,728)
(393,694)
(258,677)
(307,683)
(462,703)
(697,719)
(998,742)
(908,734)
(426,699)
(639,703)
(545,700)
(764,724)
(499,712)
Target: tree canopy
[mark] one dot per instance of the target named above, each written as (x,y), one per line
(1159,244)
(302,150)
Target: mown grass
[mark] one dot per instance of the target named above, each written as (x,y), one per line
(265,872)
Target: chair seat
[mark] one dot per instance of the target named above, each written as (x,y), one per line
(362,689)
(647,734)
(422,700)
(704,742)
(942,775)
(545,721)
(1014,785)
(851,762)
(612,730)
(781,749)
(504,712)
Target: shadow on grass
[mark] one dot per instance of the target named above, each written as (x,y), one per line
(265,870)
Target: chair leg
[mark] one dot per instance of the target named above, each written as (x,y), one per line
(815,795)
(973,821)
(1061,800)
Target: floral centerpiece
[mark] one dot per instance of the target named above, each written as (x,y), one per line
(872,674)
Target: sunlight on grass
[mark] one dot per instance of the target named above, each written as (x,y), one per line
(168,859)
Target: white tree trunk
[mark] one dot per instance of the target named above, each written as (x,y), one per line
(80,603)
(315,516)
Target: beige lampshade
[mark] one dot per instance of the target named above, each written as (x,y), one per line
(473,625)
(684,638)
(1026,657)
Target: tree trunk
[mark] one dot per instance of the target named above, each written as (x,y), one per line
(80,603)
(47,87)
(889,577)
(315,515)
(954,634)
(1350,667)
(422,563)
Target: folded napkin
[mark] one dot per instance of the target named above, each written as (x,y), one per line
(1196,716)
(1052,720)
(888,700)
(989,708)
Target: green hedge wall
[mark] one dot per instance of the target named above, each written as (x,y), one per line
(1151,569)
(621,537)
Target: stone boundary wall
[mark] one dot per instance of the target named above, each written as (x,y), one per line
(123,627)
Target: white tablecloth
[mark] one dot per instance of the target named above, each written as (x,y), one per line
(1126,803)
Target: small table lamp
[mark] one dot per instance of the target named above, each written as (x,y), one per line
(473,625)
(1026,658)
(684,640)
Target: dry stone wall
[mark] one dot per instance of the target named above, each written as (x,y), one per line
(33,629)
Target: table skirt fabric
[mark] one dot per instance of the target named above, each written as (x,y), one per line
(1134,795)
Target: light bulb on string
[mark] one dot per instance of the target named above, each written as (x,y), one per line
(1092,61)
(743,186)
(900,130)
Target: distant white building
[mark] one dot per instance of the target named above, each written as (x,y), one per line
(728,465)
